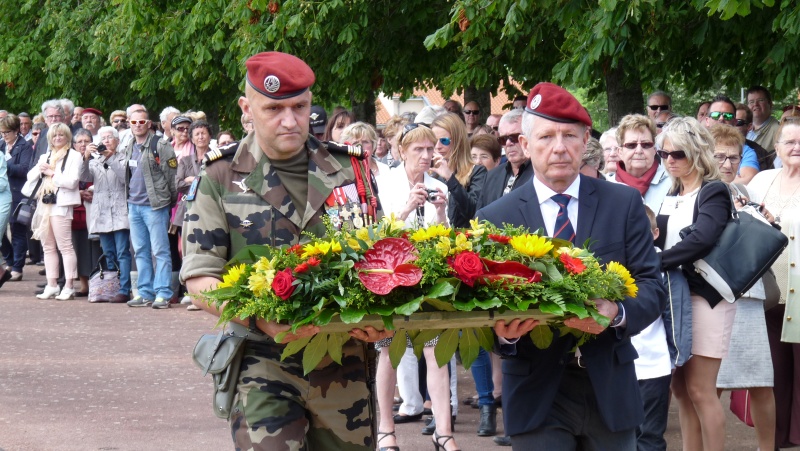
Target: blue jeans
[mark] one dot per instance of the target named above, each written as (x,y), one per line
(117,249)
(149,239)
(482,374)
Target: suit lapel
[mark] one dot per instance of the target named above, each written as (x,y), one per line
(587,209)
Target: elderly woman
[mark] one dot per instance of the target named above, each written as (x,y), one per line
(59,170)
(592,163)
(637,166)
(181,141)
(453,164)
(696,197)
(189,167)
(485,150)
(224,138)
(364,135)
(337,124)
(411,202)
(777,190)
(748,364)
(38,129)
(18,154)
(88,251)
(109,214)
(608,141)
(391,131)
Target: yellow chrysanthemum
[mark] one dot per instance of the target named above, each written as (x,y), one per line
(392,224)
(312,249)
(431,232)
(462,243)
(478,229)
(443,246)
(334,246)
(571,251)
(531,245)
(261,281)
(232,276)
(625,275)
(363,235)
(264,265)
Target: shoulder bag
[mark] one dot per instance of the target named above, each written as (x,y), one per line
(23,214)
(745,250)
(221,356)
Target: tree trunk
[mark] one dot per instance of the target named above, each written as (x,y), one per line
(482,97)
(624,92)
(365,111)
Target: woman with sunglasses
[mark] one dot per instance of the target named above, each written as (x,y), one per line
(748,365)
(419,200)
(777,190)
(686,149)
(637,166)
(452,163)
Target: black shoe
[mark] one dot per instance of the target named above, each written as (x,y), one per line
(502,441)
(5,277)
(430,428)
(438,443)
(488,424)
(427,411)
(396,408)
(42,272)
(498,402)
(41,285)
(399,418)
(383,435)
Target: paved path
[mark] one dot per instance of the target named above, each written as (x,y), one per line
(80,376)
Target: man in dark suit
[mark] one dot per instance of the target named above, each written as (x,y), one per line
(516,171)
(563,397)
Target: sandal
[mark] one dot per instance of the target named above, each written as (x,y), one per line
(438,444)
(387,448)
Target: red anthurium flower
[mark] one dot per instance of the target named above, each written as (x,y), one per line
(571,264)
(468,266)
(500,238)
(386,266)
(511,270)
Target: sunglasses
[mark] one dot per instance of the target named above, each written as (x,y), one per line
(35,133)
(444,141)
(741,122)
(472,112)
(643,144)
(139,122)
(412,126)
(117,121)
(715,115)
(514,138)
(658,107)
(182,129)
(675,154)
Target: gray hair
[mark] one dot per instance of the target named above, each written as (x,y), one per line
(610,133)
(68,105)
(52,104)
(512,117)
(24,114)
(105,129)
(594,154)
(136,107)
(166,112)
(82,132)
(660,93)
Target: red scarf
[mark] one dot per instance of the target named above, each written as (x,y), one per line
(641,183)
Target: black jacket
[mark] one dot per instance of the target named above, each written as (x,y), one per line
(497,178)
(463,202)
(18,166)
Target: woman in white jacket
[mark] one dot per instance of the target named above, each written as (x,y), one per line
(59,170)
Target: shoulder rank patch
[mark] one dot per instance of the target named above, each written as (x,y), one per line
(347,149)
(190,196)
(218,154)
(172,162)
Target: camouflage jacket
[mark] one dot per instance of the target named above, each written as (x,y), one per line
(241,201)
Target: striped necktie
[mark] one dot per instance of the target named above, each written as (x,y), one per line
(563,228)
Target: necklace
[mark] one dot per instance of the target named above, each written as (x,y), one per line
(779,199)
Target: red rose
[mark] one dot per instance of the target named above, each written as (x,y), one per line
(500,238)
(297,249)
(313,261)
(282,284)
(468,266)
(301,268)
(572,265)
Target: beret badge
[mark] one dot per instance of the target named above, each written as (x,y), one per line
(536,101)
(272,84)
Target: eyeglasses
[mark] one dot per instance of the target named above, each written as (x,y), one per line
(790,144)
(741,122)
(513,137)
(139,122)
(675,154)
(53,116)
(734,159)
(754,101)
(6,132)
(410,127)
(643,144)
(715,115)
(472,112)
(444,141)
(182,129)
(658,107)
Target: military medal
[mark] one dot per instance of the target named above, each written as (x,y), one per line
(334,215)
(358,222)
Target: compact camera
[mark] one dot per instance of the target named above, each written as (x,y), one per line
(49,198)
(432,194)
(101,148)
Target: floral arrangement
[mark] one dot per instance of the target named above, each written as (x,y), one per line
(384,269)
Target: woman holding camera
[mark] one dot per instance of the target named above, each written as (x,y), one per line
(59,173)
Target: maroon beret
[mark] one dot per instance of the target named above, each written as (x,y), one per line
(93,111)
(556,104)
(278,75)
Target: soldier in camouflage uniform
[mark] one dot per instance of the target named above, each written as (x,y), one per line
(275,184)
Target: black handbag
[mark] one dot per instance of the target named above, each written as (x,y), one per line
(23,214)
(745,250)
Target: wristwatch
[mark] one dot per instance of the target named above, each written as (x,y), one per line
(620,316)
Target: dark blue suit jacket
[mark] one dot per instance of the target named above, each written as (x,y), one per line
(612,217)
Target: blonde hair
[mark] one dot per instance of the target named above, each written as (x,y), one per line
(459,161)
(59,127)
(422,132)
(634,122)
(727,135)
(359,130)
(686,134)
(594,154)
(394,126)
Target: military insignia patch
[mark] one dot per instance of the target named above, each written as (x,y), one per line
(193,189)
(241,186)
(246,223)
(172,162)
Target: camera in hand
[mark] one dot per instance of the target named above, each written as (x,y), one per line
(432,194)
(49,198)
(101,148)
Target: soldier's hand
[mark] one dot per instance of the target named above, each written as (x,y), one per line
(370,334)
(272,329)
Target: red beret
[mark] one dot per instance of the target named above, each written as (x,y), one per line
(556,104)
(278,75)
(93,111)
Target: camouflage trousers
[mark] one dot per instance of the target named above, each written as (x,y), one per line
(278,408)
